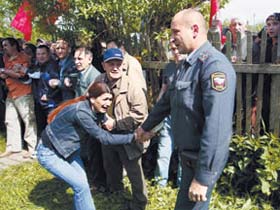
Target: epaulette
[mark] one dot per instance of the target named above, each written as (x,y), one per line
(203,56)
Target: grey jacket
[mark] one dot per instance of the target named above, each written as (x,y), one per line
(86,78)
(130,110)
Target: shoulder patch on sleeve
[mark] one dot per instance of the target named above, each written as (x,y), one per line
(219,81)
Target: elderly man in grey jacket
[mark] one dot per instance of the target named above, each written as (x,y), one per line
(128,111)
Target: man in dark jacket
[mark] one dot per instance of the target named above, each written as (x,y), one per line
(46,97)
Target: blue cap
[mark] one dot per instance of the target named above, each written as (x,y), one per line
(112,54)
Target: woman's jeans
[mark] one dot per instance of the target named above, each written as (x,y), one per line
(71,171)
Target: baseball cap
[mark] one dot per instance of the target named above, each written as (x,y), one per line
(112,54)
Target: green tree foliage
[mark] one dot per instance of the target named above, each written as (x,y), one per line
(88,21)
(7,11)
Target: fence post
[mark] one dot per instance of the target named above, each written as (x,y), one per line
(215,38)
(260,83)
(278,49)
(228,45)
(239,48)
(135,45)
(248,108)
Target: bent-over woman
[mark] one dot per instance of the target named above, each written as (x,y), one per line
(59,148)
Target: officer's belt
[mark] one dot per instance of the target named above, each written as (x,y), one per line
(189,158)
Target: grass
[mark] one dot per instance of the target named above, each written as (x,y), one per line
(2,142)
(30,187)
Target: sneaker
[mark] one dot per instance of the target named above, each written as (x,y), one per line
(31,155)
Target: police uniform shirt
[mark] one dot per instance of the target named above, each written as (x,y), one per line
(200,101)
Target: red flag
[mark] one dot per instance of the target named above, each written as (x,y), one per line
(23,20)
(214,21)
(214,5)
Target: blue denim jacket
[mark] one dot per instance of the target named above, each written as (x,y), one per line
(76,123)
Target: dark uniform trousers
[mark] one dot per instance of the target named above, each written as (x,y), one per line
(188,163)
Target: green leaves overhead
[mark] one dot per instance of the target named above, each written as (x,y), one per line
(104,18)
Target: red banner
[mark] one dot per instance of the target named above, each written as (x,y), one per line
(214,20)
(23,20)
(214,8)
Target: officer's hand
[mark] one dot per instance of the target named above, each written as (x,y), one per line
(142,136)
(197,191)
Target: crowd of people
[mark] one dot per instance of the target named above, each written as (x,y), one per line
(79,119)
(40,79)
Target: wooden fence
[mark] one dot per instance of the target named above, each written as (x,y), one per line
(267,94)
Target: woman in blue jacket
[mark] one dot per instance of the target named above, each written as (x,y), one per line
(59,148)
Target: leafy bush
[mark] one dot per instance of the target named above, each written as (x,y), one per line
(253,168)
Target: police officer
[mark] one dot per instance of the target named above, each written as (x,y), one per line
(200,100)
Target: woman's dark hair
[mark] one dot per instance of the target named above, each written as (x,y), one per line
(97,89)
